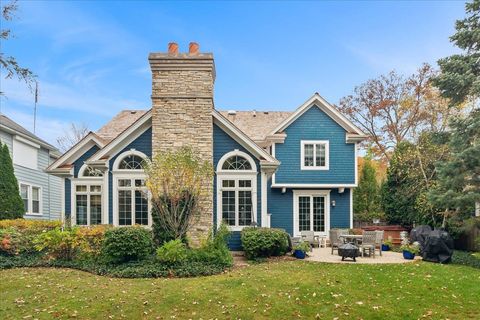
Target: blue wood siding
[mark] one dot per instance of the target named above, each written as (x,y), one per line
(143,144)
(81,160)
(280,206)
(222,144)
(314,124)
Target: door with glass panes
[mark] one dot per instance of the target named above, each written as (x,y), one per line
(311,213)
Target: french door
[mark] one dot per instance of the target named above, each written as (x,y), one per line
(311,213)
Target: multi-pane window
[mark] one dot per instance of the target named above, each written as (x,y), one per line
(311,213)
(236,162)
(88,204)
(31,197)
(237,202)
(131,162)
(132,202)
(314,155)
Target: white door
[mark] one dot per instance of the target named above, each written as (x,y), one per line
(311,213)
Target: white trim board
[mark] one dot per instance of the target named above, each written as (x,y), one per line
(312,185)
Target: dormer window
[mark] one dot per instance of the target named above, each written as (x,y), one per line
(314,155)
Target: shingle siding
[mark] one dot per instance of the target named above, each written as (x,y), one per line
(222,144)
(314,124)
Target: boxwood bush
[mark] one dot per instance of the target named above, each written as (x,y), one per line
(127,244)
(264,242)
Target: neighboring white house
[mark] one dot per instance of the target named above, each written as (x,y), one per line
(41,192)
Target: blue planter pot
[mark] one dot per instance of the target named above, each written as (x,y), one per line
(385,247)
(408,255)
(299,254)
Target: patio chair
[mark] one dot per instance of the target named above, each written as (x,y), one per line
(368,243)
(379,240)
(335,239)
(310,237)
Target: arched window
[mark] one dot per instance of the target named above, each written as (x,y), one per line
(131,162)
(92,172)
(236,190)
(236,162)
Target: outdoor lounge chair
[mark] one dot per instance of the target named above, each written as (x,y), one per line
(379,240)
(369,243)
(335,239)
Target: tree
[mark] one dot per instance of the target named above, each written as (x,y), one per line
(11,204)
(459,79)
(458,187)
(177,181)
(71,136)
(366,199)
(410,176)
(9,63)
(394,108)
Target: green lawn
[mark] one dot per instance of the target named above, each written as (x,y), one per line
(281,290)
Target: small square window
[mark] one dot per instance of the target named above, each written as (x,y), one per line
(81,188)
(124,183)
(245,183)
(228,183)
(95,188)
(139,182)
(314,155)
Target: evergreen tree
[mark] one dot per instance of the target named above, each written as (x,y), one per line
(458,186)
(11,204)
(460,76)
(366,195)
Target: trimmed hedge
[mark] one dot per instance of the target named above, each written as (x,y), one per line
(466,258)
(127,244)
(264,242)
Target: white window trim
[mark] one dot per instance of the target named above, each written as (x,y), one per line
(122,156)
(88,182)
(138,174)
(314,142)
(236,175)
(29,212)
(300,193)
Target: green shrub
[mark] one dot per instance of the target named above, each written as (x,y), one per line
(58,244)
(264,242)
(172,251)
(302,246)
(127,244)
(466,258)
(215,249)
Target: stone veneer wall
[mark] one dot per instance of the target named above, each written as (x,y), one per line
(182,105)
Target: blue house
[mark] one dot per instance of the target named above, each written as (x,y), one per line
(291,170)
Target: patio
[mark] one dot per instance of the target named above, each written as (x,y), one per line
(325,255)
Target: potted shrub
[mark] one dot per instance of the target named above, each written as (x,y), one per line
(409,251)
(387,245)
(301,249)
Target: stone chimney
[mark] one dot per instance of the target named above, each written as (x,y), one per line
(182,105)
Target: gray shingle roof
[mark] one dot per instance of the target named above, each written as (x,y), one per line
(12,125)
(256,124)
(119,123)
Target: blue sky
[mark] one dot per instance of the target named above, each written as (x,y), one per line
(91,57)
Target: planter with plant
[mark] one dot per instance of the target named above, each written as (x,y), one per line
(301,249)
(387,245)
(409,251)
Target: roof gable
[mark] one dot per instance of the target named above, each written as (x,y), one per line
(317,101)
